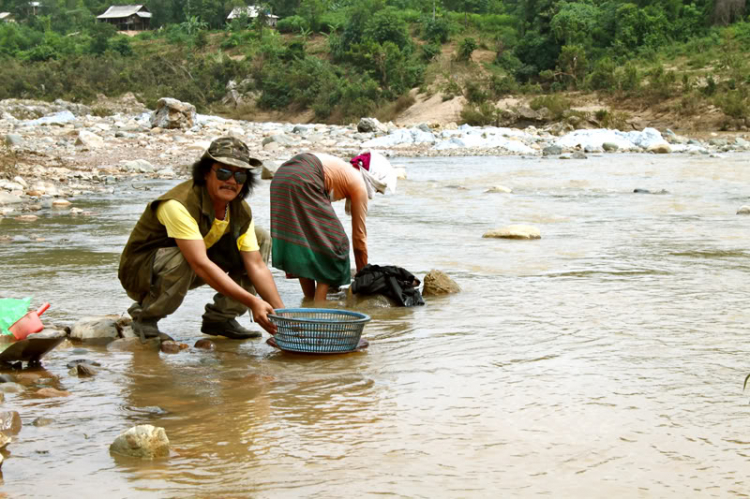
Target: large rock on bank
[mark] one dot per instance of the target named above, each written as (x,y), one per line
(171,113)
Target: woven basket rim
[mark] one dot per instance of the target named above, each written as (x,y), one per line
(348,316)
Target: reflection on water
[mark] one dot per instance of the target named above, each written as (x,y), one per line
(606,358)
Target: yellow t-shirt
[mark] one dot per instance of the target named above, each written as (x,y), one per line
(180,225)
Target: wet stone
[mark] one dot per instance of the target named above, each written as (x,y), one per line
(51,393)
(74,363)
(4,440)
(10,421)
(150,409)
(6,378)
(205,344)
(43,421)
(172,347)
(11,388)
(438,283)
(143,441)
(27,378)
(82,371)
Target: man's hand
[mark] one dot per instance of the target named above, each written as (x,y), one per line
(260,310)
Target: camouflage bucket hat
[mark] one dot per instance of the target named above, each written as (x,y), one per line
(232,151)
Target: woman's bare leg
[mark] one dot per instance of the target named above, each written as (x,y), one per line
(321,292)
(308,287)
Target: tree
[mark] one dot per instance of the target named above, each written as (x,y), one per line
(574,23)
(728,11)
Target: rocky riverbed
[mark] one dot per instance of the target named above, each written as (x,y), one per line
(55,151)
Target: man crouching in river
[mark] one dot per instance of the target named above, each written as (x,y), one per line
(202,232)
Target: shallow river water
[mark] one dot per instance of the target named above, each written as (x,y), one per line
(605,359)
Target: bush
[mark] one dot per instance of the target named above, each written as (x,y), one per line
(661,83)
(603,76)
(430,51)
(437,30)
(629,78)
(556,104)
(500,86)
(121,45)
(465,49)
(331,22)
(616,120)
(481,115)
(387,26)
(393,109)
(733,103)
(474,92)
(292,24)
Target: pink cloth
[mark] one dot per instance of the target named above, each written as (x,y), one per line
(361,161)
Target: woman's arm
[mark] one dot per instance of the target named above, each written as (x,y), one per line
(359,227)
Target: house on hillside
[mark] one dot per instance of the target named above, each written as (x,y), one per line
(127,17)
(6,17)
(251,11)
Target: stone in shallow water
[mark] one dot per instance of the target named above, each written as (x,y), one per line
(143,441)
(744,210)
(10,387)
(514,232)
(10,421)
(75,362)
(205,344)
(43,421)
(438,283)
(82,371)
(172,347)
(51,393)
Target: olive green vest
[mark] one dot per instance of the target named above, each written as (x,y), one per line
(136,261)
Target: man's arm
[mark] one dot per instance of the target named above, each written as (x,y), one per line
(261,278)
(196,256)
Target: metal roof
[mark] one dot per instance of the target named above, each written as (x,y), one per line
(118,11)
(251,11)
(3,15)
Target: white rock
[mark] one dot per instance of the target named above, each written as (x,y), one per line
(137,165)
(515,232)
(20,181)
(744,210)
(499,189)
(7,198)
(89,139)
(61,203)
(94,327)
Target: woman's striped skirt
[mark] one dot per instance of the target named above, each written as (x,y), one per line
(308,238)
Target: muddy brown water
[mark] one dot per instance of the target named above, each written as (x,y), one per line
(605,359)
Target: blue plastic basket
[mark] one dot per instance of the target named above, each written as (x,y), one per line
(318,330)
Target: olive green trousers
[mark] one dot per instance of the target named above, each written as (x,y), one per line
(172,278)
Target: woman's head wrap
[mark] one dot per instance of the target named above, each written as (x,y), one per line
(377,172)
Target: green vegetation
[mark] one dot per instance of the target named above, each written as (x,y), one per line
(347,59)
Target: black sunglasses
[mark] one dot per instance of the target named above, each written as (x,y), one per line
(224,174)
